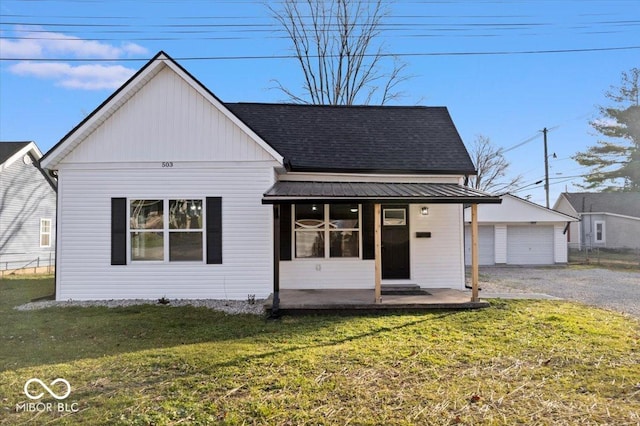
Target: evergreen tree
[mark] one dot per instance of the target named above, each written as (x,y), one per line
(615,163)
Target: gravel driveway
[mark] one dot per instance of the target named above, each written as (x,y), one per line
(617,290)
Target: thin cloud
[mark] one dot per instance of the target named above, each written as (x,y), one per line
(86,77)
(56,45)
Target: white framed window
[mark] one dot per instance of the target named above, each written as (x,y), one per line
(598,231)
(45,233)
(327,231)
(166,230)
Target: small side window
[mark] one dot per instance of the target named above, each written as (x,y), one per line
(45,233)
(599,231)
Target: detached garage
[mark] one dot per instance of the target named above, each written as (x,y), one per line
(518,232)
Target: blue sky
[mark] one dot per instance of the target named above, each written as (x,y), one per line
(61,58)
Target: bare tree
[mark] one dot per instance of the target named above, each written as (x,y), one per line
(335,44)
(492,168)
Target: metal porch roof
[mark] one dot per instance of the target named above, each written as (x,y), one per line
(375,192)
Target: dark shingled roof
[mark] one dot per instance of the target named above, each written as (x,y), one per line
(389,139)
(623,203)
(292,191)
(7,149)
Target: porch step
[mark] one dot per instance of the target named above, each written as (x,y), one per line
(399,286)
(402,290)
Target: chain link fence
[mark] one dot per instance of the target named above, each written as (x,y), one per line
(587,254)
(27,264)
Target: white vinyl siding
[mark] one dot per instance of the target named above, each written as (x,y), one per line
(327,274)
(84,257)
(560,244)
(437,261)
(26,197)
(530,245)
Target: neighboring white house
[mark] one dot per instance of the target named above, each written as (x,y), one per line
(27,208)
(164,190)
(607,219)
(519,232)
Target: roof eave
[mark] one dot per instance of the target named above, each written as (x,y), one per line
(459,172)
(385,200)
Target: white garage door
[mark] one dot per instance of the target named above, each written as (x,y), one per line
(530,245)
(485,245)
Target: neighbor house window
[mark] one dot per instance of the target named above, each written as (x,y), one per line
(322,230)
(599,231)
(45,232)
(166,230)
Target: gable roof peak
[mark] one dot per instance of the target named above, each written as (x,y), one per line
(160,61)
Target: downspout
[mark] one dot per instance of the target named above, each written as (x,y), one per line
(54,174)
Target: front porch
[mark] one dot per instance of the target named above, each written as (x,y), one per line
(344,300)
(308,215)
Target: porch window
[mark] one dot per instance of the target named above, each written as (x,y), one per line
(166,229)
(344,230)
(309,230)
(322,229)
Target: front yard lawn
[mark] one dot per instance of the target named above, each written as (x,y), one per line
(527,362)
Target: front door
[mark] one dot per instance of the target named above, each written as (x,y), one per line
(395,242)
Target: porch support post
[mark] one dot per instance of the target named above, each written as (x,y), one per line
(378,252)
(474,253)
(275,306)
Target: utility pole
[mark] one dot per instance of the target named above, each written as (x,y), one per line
(546,165)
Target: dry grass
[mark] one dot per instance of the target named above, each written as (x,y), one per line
(518,362)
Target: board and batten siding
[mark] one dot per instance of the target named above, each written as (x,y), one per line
(167,120)
(25,198)
(84,269)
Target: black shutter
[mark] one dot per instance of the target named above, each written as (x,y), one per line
(214,230)
(368,232)
(285,232)
(118,231)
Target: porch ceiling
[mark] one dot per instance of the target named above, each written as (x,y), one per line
(375,192)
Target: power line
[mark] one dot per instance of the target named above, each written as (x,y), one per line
(397,54)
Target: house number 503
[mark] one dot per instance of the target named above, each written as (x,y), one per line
(166,164)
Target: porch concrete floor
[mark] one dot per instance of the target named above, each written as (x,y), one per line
(308,301)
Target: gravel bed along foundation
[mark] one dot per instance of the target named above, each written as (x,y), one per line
(234,307)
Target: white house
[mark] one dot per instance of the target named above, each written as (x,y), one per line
(519,232)
(164,190)
(27,209)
